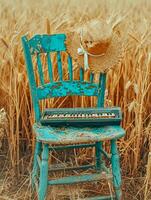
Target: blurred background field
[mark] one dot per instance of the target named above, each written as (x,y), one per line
(128,86)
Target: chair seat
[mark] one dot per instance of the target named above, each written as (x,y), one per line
(72,135)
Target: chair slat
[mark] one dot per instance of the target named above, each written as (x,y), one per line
(102,83)
(70,68)
(81,74)
(40,71)
(59,66)
(67,88)
(91,77)
(50,67)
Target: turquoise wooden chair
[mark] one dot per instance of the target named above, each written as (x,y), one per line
(55,138)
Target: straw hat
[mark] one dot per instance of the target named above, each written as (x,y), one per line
(95,46)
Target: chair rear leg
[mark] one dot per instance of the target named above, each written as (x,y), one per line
(43,182)
(98,153)
(115,161)
(35,162)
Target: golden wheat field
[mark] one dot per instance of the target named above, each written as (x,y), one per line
(129,86)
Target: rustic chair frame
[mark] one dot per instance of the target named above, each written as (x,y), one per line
(46,44)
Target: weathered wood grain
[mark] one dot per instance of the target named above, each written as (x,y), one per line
(72,135)
(67,88)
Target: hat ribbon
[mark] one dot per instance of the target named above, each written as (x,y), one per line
(82,51)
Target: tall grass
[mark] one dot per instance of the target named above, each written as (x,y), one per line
(128,85)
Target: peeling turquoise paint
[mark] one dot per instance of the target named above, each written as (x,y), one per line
(67,88)
(70,135)
(47,43)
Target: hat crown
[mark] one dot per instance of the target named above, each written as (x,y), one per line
(96,36)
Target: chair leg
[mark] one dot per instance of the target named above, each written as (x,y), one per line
(35,163)
(43,182)
(115,161)
(98,155)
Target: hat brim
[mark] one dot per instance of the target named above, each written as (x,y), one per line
(103,63)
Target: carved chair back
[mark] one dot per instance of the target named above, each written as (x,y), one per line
(42,48)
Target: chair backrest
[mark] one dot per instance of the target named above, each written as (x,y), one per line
(46,45)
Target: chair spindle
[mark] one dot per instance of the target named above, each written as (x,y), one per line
(81,74)
(60,73)
(50,67)
(40,71)
(91,77)
(70,68)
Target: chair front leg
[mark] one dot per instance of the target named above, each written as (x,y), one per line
(115,161)
(98,155)
(35,163)
(43,182)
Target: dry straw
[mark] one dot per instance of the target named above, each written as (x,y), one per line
(128,85)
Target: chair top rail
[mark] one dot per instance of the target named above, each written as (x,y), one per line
(47,43)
